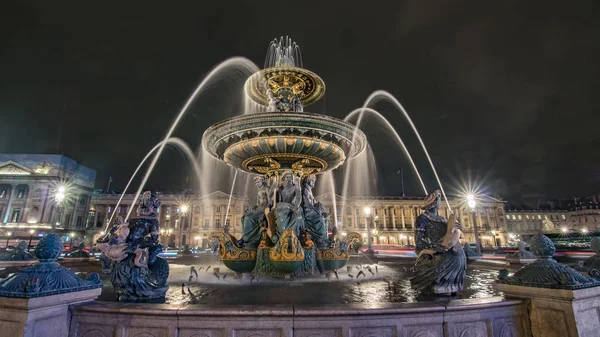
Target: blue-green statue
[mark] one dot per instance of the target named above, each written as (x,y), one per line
(79,252)
(286,207)
(441,263)
(19,254)
(315,219)
(137,273)
(254,222)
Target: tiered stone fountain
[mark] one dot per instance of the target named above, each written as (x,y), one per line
(287,232)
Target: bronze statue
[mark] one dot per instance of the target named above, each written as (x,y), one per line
(314,215)
(441,264)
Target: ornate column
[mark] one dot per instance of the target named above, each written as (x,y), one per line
(25,213)
(393,210)
(9,205)
(402,209)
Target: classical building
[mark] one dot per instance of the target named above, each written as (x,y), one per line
(188,219)
(184,218)
(394,218)
(576,216)
(40,193)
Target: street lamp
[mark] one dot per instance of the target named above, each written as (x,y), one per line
(183,211)
(60,194)
(369,219)
(72,235)
(8,234)
(31,231)
(472,205)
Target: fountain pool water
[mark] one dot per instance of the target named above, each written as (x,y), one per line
(390,284)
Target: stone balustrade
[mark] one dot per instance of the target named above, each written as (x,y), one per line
(489,317)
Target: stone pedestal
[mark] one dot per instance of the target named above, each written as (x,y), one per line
(35,301)
(559,312)
(40,316)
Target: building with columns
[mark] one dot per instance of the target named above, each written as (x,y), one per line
(577,216)
(394,217)
(29,185)
(184,218)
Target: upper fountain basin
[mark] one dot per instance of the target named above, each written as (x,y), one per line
(307,85)
(268,143)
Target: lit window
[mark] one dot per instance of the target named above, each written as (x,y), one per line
(514,218)
(546,217)
(20,194)
(2,194)
(520,217)
(527,217)
(109,209)
(539,217)
(563,216)
(507,216)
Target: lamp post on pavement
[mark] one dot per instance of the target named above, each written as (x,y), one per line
(31,231)
(369,219)
(472,205)
(8,234)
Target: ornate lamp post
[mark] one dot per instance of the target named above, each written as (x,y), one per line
(369,219)
(71,236)
(59,197)
(31,231)
(183,211)
(472,205)
(8,234)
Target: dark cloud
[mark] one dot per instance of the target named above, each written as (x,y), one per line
(504,92)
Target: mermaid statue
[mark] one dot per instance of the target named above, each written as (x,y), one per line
(254,222)
(137,273)
(314,218)
(441,263)
(285,206)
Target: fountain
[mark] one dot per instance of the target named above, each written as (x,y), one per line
(287,232)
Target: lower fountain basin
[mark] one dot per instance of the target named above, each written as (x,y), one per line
(240,266)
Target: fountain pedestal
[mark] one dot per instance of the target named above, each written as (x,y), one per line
(562,302)
(41,316)
(559,312)
(35,301)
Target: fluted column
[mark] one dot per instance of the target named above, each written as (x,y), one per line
(12,196)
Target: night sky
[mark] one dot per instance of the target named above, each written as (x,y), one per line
(504,93)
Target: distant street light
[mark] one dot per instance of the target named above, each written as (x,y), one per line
(31,232)
(60,195)
(369,219)
(8,234)
(72,235)
(473,206)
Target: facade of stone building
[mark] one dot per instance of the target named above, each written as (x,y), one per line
(393,217)
(184,218)
(578,216)
(29,184)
